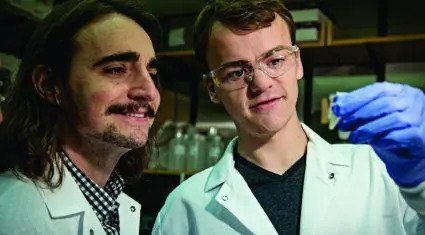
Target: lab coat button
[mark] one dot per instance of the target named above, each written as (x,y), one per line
(331,176)
(132,208)
(91,232)
(224,198)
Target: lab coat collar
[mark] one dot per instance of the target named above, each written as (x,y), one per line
(316,145)
(319,188)
(233,195)
(222,169)
(65,200)
(321,147)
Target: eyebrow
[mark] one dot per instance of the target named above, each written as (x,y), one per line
(265,54)
(271,52)
(234,63)
(124,56)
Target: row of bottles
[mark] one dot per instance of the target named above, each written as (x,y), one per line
(189,150)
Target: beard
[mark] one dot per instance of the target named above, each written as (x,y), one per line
(111,135)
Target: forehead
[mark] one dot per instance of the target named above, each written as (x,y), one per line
(110,34)
(227,44)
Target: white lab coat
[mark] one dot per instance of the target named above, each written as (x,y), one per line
(359,199)
(27,208)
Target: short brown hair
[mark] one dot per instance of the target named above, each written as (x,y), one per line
(247,15)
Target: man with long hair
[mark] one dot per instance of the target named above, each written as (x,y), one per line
(85,94)
(278,176)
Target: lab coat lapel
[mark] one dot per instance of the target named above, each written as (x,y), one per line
(238,199)
(325,173)
(235,195)
(318,192)
(67,201)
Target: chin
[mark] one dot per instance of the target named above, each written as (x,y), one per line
(269,130)
(129,143)
(269,126)
(136,139)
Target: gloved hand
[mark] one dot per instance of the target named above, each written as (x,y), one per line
(391,118)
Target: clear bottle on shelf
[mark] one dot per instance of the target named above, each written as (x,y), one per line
(195,147)
(159,159)
(214,146)
(177,151)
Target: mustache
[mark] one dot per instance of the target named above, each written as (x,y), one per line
(131,108)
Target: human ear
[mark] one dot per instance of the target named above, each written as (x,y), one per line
(44,85)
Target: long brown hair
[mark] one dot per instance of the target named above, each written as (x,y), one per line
(246,15)
(29,134)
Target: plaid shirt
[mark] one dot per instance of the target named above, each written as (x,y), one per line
(102,200)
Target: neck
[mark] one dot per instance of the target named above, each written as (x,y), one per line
(95,158)
(278,152)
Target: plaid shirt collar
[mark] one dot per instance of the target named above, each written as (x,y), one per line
(102,200)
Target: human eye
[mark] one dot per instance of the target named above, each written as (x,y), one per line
(153,71)
(276,61)
(233,74)
(115,70)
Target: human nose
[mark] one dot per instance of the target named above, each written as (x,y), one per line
(143,87)
(260,81)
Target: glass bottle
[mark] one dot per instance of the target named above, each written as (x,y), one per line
(214,146)
(177,151)
(195,147)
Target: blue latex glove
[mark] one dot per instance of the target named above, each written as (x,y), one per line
(391,118)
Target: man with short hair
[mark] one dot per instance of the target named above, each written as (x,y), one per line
(278,176)
(86,93)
